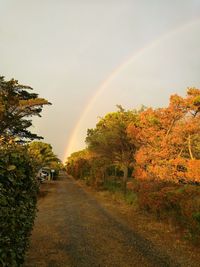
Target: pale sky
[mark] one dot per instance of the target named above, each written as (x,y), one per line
(67,51)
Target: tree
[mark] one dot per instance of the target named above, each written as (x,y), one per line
(109,140)
(78,164)
(42,155)
(17,106)
(18,183)
(169,140)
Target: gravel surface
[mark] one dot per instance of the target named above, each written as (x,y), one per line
(74,229)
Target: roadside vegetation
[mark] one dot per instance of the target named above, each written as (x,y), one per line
(20,160)
(150,158)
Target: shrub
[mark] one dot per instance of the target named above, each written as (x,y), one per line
(179,204)
(112,186)
(130,198)
(18,194)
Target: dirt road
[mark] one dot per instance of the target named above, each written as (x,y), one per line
(73,229)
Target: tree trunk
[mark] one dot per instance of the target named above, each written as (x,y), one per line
(125,178)
(105,175)
(189,147)
(170,128)
(115,174)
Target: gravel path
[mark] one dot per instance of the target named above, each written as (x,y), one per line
(73,229)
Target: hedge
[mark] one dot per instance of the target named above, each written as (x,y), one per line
(18,195)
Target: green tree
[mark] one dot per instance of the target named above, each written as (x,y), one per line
(78,164)
(17,106)
(18,184)
(42,155)
(110,140)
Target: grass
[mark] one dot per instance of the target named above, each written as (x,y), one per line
(115,188)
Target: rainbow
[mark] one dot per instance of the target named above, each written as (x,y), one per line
(100,90)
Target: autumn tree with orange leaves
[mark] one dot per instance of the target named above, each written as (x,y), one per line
(169,140)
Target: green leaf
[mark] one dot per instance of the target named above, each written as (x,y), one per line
(11,168)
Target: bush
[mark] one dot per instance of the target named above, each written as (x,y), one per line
(112,186)
(18,194)
(179,204)
(130,198)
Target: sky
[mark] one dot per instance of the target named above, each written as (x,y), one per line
(87,56)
